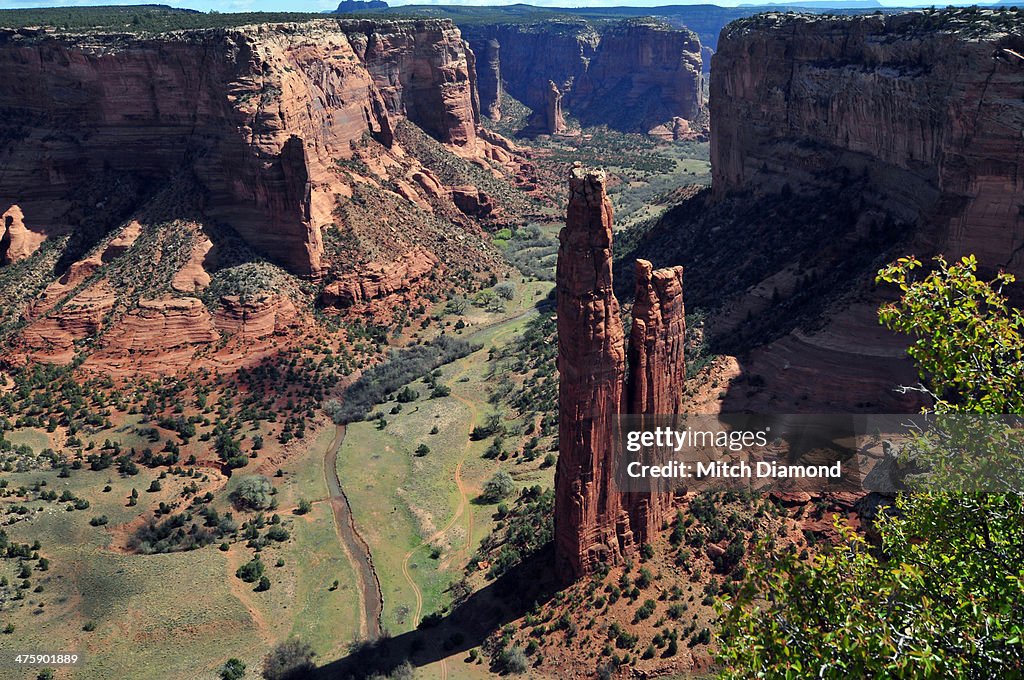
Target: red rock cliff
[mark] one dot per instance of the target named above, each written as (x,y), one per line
(259,115)
(631,75)
(929,107)
(423,72)
(594,522)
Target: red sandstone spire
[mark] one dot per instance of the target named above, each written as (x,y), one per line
(594,522)
(657,374)
(591,363)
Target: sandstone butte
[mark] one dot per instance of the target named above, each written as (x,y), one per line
(595,523)
(258,115)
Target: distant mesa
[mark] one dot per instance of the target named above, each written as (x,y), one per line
(349,6)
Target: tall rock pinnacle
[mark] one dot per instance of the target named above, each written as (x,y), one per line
(595,523)
(657,370)
(657,373)
(592,366)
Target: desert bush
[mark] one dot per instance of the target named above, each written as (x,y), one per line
(498,487)
(253,493)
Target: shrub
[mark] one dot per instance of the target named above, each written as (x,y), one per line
(513,660)
(233,669)
(277,533)
(498,487)
(253,493)
(251,571)
(505,290)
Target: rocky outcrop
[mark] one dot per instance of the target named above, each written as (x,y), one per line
(256,318)
(657,338)
(590,525)
(377,280)
(52,338)
(421,69)
(926,107)
(16,241)
(595,523)
(488,77)
(257,115)
(549,119)
(194,277)
(632,75)
(657,374)
(471,201)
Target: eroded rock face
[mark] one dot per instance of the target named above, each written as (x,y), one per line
(656,341)
(257,318)
(16,241)
(259,115)
(378,280)
(52,338)
(594,522)
(471,201)
(590,525)
(657,373)
(631,76)
(928,109)
(422,71)
(550,119)
(488,71)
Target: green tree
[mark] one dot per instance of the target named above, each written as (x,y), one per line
(944,595)
(253,493)
(498,487)
(233,669)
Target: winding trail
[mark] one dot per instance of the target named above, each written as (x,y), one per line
(371,599)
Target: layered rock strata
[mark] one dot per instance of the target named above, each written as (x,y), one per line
(927,106)
(595,523)
(378,280)
(550,119)
(258,115)
(630,75)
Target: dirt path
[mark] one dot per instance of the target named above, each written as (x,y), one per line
(371,600)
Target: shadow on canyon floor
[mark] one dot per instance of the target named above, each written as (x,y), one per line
(467,626)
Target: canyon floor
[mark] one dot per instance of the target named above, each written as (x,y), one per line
(412,474)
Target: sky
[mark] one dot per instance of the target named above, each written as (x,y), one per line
(321,5)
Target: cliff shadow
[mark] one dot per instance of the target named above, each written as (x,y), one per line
(783,284)
(468,624)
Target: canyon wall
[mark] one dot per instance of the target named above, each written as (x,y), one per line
(258,116)
(595,523)
(422,70)
(926,108)
(629,75)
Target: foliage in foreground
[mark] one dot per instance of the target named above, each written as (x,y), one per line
(943,596)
